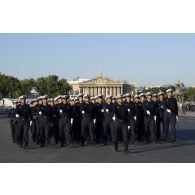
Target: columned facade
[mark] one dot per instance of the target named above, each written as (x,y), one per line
(104,86)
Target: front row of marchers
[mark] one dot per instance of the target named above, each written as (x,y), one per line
(95,120)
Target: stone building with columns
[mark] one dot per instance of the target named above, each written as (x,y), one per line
(102,85)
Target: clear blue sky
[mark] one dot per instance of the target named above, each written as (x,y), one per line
(148,59)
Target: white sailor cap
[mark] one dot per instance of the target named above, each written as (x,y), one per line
(136,96)
(86,96)
(154,95)
(169,90)
(149,94)
(127,95)
(64,97)
(141,95)
(22,97)
(120,96)
(108,97)
(161,93)
(34,100)
(57,98)
(44,97)
(92,98)
(71,99)
(80,95)
(100,96)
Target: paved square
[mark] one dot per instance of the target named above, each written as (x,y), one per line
(183,151)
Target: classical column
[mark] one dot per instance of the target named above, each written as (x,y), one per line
(106,91)
(114,91)
(121,90)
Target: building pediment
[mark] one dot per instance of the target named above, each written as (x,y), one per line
(101,80)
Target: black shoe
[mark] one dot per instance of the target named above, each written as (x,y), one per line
(61,145)
(126,151)
(116,150)
(69,146)
(21,145)
(174,142)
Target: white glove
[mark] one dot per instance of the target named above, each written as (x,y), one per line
(17,115)
(114,118)
(135,118)
(128,110)
(30,123)
(168,110)
(40,113)
(61,111)
(107,110)
(155,118)
(177,118)
(148,112)
(129,127)
(102,110)
(83,112)
(71,121)
(51,125)
(94,121)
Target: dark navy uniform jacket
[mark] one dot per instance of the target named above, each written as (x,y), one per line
(23,111)
(67,110)
(89,110)
(131,109)
(120,111)
(170,103)
(150,106)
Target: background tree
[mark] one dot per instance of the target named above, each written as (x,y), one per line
(26,86)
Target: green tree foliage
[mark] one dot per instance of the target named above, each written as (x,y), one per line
(51,85)
(9,86)
(26,86)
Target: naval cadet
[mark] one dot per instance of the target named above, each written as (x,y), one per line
(23,114)
(120,115)
(170,107)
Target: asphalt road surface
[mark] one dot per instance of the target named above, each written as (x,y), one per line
(182,152)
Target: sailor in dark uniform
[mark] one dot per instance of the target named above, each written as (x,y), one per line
(131,117)
(34,121)
(159,115)
(107,121)
(23,114)
(88,120)
(140,116)
(45,114)
(13,121)
(65,112)
(99,119)
(120,118)
(149,107)
(170,107)
(77,116)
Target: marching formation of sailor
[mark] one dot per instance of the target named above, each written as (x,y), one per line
(144,118)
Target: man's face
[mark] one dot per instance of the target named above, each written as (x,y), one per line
(87,100)
(161,97)
(120,100)
(170,94)
(136,100)
(149,98)
(114,101)
(100,100)
(128,99)
(23,101)
(154,98)
(44,101)
(14,105)
(109,101)
(80,99)
(142,98)
(40,102)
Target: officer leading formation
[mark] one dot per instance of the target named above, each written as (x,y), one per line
(144,118)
